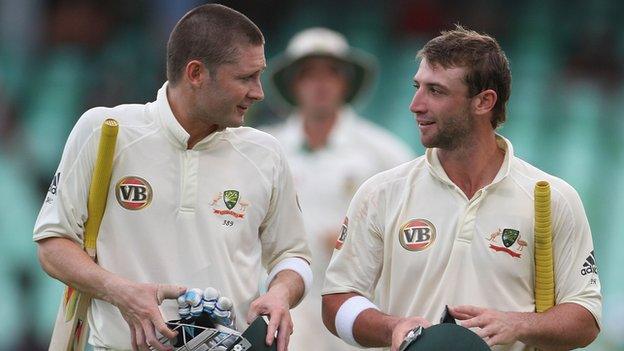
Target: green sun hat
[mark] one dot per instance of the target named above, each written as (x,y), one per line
(320,42)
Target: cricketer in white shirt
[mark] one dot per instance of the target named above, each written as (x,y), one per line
(416,238)
(213,215)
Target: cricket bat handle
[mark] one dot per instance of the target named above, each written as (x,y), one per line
(71,327)
(544,271)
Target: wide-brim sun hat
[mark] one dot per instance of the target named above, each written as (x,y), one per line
(320,42)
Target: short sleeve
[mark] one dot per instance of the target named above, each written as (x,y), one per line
(282,233)
(358,257)
(576,270)
(64,210)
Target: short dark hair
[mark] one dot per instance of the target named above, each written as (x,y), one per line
(487,64)
(212,34)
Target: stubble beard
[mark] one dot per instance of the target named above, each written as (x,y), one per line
(453,132)
(224,117)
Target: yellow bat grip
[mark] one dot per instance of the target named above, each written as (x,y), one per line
(544,271)
(98,191)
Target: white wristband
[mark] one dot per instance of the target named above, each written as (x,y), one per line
(346,315)
(296,264)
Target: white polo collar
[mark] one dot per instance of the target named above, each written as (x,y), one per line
(436,169)
(174,130)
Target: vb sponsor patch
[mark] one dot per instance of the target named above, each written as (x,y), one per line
(343,234)
(133,193)
(417,234)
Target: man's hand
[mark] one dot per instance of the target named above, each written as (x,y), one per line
(275,304)
(138,304)
(496,327)
(403,327)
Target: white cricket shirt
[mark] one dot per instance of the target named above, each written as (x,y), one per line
(415,236)
(326,180)
(210,216)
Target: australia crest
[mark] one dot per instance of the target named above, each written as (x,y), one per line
(229,203)
(511,240)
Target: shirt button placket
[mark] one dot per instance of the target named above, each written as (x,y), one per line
(189,181)
(466,229)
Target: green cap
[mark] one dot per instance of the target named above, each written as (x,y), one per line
(256,335)
(448,337)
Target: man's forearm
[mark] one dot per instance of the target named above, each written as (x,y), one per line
(64,260)
(289,284)
(370,319)
(381,323)
(563,327)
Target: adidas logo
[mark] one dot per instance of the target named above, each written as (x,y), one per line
(590,265)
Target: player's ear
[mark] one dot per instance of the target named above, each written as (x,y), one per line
(484,102)
(195,73)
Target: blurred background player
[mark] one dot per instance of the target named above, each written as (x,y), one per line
(330,148)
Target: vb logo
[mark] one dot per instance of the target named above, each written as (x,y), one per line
(133,193)
(417,234)
(343,234)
